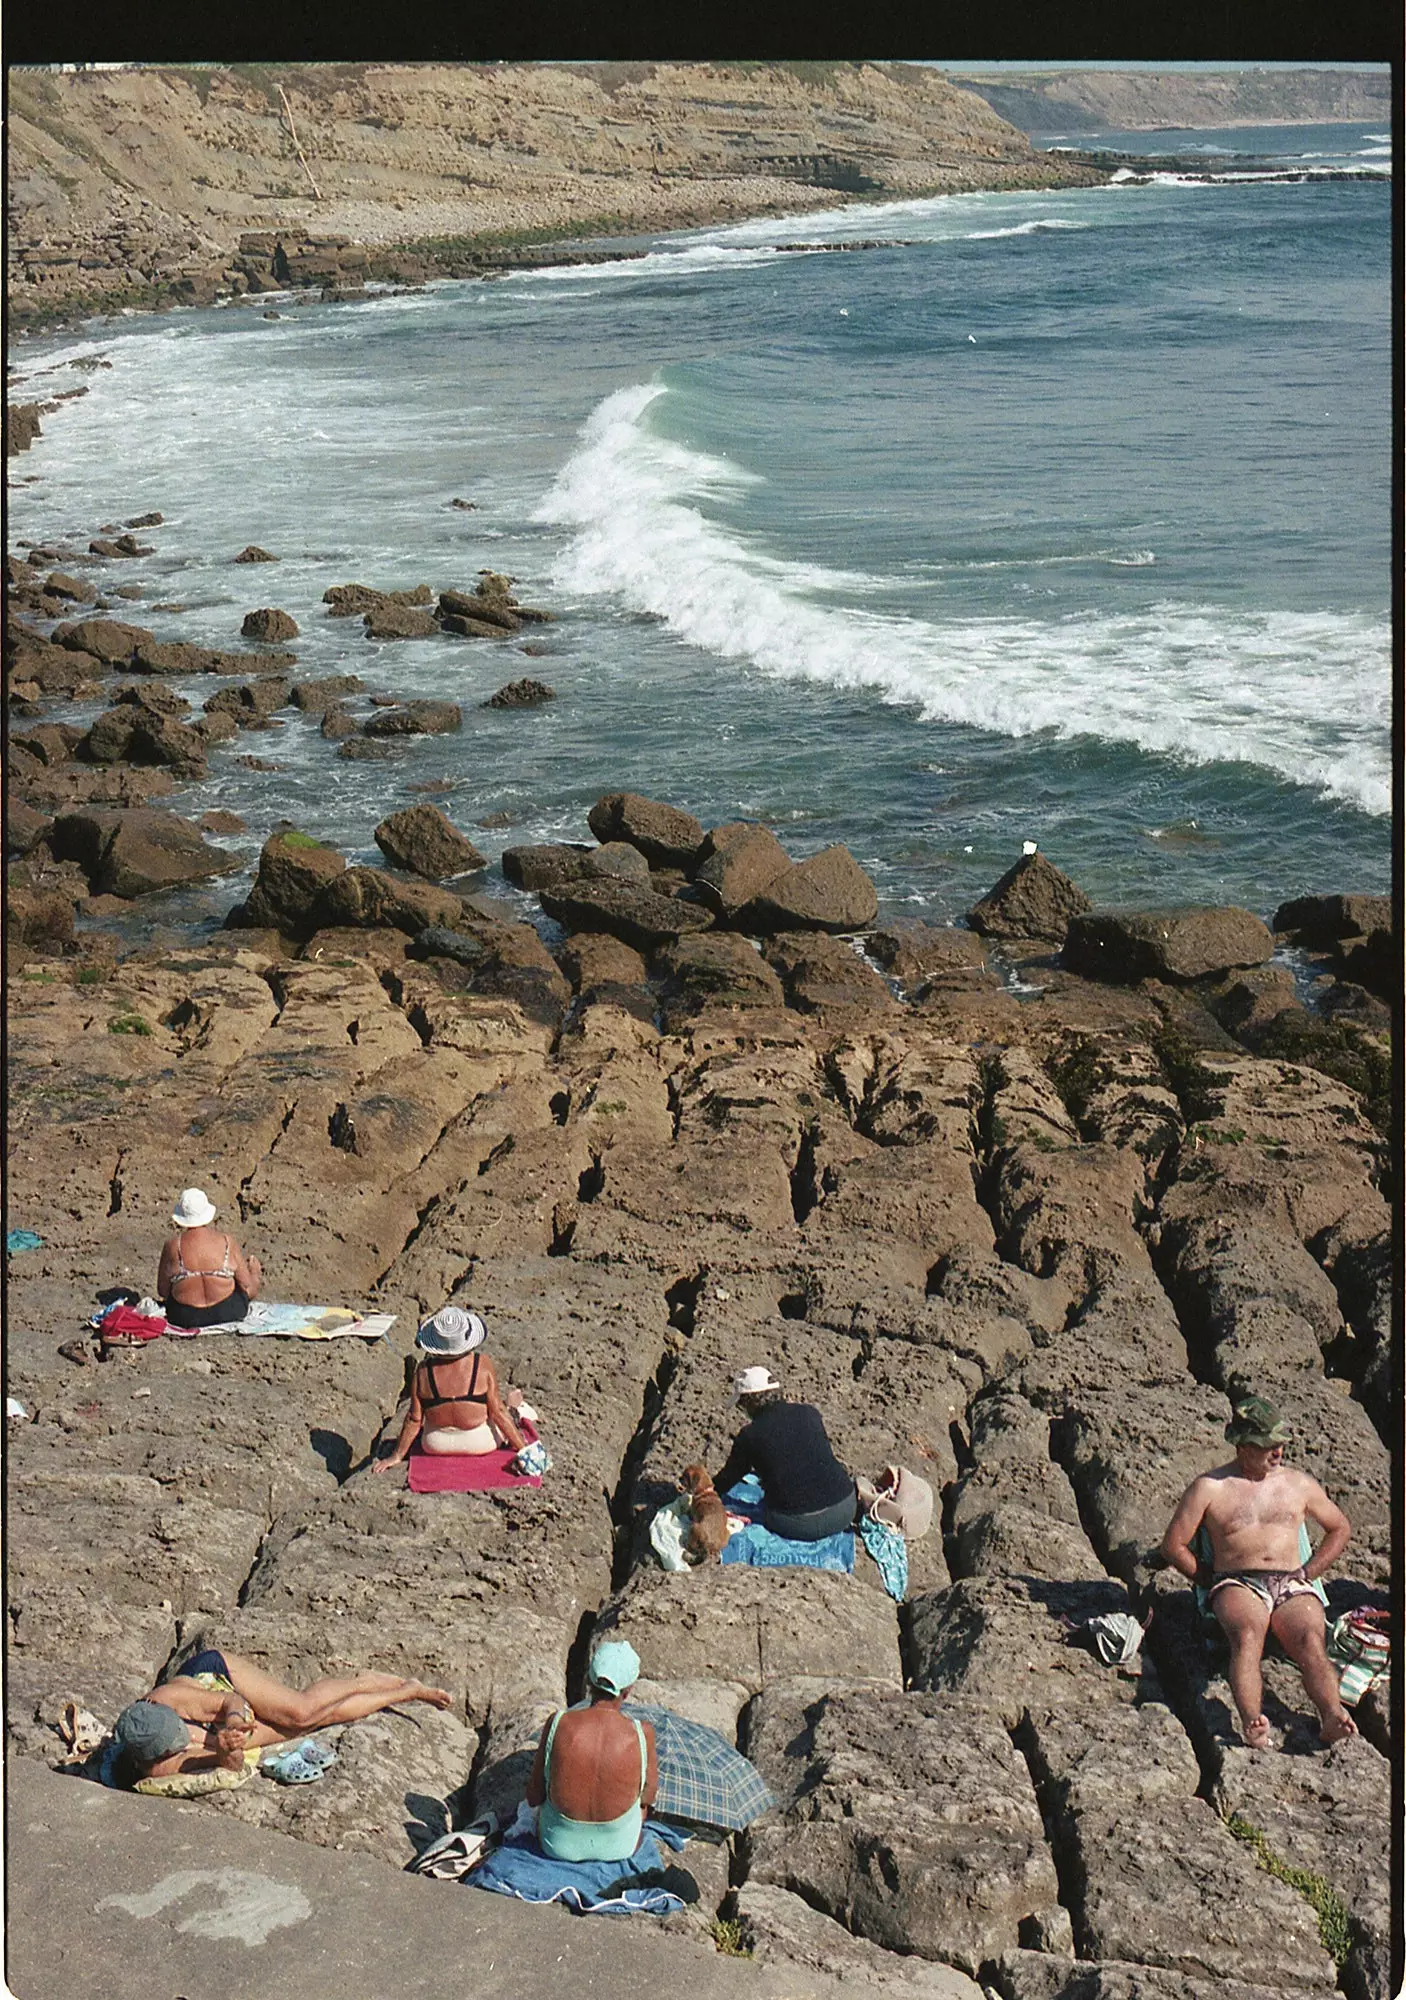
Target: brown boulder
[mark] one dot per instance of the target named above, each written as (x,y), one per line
(107,639)
(1124,946)
(829,892)
(269,624)
(136,852)
(22,427)
(216,728)
(739,861)
(1033,899)
(24,827)
(594,959)
(823,973)
(52,742)
(422,840)
(918,955)
(368,897)
(399,621)
(178,656)
(51,669)
(60,585)
(628,911)
(416,718)
(314,697)
(254,554)
(350,600)
(553,863)
(251,702)
(337,724)
(485,610)
(293,871)
(1319,921)
(470,628)
(506,961)
(666,837)
(36,916)
(717,969)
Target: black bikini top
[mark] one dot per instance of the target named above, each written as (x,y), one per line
(435,1401)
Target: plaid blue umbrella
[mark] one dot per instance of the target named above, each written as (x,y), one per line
(702,1778)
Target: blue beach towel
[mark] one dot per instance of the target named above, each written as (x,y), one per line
(518,1867)
(21,1239)
(758,1548)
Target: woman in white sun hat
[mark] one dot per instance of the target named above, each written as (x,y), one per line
(454,1401)
(809,1495)
(204,1278)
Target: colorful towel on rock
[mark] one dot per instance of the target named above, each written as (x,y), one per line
(518,1867)
(465,1472)
(290,1322)
(889,1550)
(758,1548)
(21,1239)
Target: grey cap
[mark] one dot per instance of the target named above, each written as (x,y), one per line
(149,1731)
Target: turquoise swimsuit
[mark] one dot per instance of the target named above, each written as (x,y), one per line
(589,1839)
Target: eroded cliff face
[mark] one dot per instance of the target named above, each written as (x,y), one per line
(121,181)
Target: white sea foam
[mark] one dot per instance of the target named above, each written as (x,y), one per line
(1185,681)
(1034,226)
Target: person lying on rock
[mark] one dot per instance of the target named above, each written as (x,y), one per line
(1253,1510)
(204,1278)
(809,1495)
(595,1773)
(454,1400)
(220,1705)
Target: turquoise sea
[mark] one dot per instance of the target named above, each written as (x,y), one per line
(1061,517)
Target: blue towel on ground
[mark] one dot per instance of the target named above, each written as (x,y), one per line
(758,1548)
(518,1867)
(21,1239)
(890,1552)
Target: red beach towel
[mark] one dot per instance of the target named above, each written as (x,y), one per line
(463,1472)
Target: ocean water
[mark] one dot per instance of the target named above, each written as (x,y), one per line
(1051,516)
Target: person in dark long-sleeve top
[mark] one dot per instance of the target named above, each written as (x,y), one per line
(809,1494)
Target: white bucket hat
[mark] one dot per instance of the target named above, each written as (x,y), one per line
(451,1331)
(193,1210)
(751,1382)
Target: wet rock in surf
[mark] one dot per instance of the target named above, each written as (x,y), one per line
(628,911)
(270,624)
(522,694)
(1180,945)
(254,554)
(135,852)
(739,861)
(398,621)
(1033,899)
(416,718)
(422,840)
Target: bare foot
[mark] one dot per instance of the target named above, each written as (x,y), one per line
(436,1697)
(1256,1733)
(1336,1727)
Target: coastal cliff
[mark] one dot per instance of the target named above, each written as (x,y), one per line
(126,185)
(1131,101)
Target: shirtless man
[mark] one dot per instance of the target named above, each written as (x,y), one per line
(595,1773)
(1253,1510)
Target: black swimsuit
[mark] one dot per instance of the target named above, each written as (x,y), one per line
(435,1401)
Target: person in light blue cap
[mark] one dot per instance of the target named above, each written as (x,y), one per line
(596,1772)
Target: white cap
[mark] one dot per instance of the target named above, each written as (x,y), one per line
(751,1382)
(1030,847)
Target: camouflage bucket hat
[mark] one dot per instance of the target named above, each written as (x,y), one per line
(1256,1422)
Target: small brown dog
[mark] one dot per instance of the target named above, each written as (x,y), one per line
(708,1534)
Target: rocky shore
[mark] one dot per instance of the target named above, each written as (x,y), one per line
(1021,1204)
(143,186)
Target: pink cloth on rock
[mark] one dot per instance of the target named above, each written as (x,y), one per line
(462,1472)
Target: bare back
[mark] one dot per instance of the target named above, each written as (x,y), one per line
(595,1773)
(459,1394)
(200,1267)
